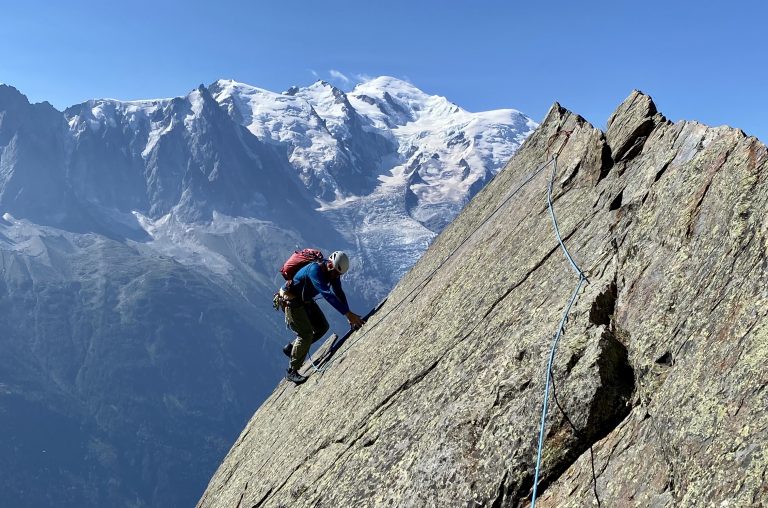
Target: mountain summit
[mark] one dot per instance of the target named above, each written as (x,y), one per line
(659,381)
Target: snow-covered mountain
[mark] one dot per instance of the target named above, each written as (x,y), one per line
(140,242)
(344,146)
(386,165)
(389,165)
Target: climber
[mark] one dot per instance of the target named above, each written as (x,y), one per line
(304,316)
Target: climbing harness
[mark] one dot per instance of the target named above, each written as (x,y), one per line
(560,329)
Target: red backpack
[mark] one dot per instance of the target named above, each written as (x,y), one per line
(298,260)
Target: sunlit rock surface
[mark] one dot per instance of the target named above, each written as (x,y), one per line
(660,379)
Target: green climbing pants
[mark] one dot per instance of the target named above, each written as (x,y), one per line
(309,323)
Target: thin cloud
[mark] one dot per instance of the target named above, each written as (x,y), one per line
(314,73)
(340,76)
(361,78)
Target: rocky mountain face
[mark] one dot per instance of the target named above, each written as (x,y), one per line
(659,383)
(139,247)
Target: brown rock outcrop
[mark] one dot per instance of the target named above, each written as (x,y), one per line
(660,379)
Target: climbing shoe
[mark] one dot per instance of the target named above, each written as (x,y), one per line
(294,376)
(288,349)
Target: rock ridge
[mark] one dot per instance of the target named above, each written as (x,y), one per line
(659,381)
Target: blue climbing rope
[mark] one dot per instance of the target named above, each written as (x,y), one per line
(554,219)
(560,329)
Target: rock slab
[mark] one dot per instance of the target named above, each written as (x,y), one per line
(659,382)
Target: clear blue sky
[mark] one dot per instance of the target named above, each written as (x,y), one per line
(699,60)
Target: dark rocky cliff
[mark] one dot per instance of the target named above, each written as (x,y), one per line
(660,379)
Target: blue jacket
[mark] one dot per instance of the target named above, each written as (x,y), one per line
(312,280)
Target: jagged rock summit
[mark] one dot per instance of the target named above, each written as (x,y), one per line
(660,380)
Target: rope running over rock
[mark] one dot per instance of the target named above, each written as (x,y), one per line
(560,329)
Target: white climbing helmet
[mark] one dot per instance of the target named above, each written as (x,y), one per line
(340,261)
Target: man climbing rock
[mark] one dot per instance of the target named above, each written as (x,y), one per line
(304,316)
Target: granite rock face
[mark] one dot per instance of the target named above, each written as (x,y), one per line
(660,380)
